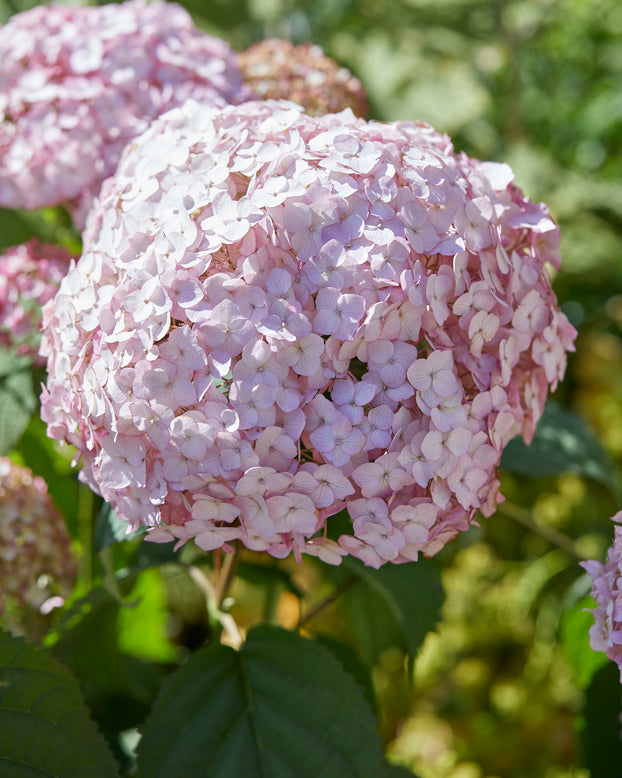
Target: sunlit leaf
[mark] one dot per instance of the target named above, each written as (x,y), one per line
(45,728)
(575,640)
(281,707)
(142,626)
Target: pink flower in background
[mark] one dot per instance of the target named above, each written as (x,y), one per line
(79,83)
(37,564)
(353,317)
(30,275)
(606,632)
(278,69)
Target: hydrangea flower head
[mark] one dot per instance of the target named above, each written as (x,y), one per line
(30,275)
(606,632)
(303,74)
(298,315)
(37,565)
(77,83)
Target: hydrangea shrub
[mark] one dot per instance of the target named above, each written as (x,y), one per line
(303,74)
(277,317)
(37,564)
(77,83)
(30,275)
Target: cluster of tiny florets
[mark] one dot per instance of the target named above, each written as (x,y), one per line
(303,74)
(37,564)
(30,275)
(277,317)
(77,83)
(606,632)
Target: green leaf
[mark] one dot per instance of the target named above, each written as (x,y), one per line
(14,229)
(601,736)
(395,605)
(109,528)
(17,398)
(351,662)
(281,707)
(142,627)
(562,443)
(45,729)
(575,639)
(118,689)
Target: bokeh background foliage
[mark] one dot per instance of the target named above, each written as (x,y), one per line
(505,685)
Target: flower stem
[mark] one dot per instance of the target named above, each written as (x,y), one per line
(226,575)
(214,596)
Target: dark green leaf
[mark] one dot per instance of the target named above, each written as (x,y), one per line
(352,664)
(562,443)
(45,729)
(281,707)
(601,735)
(148,554)
(109,528)
(395,605)
(118,688)
(17,398)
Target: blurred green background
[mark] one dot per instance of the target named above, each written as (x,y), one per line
(506,686)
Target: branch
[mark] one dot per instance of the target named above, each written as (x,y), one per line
(335,594)
(520,515)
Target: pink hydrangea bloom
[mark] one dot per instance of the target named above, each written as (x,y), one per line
(606,632)
(78,83)
(37,564)
(271,346)
(30,275)
(303,74)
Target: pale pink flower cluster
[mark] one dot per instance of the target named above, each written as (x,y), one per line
(30,275)
(77,83)
(37,564)
(303,74)
(277,317)
(606,632)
